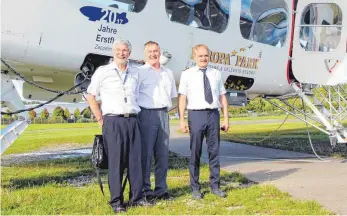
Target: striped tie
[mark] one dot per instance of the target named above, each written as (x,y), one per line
(207,88)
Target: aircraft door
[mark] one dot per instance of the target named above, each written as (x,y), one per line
(319,45)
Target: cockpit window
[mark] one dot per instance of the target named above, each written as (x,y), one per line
(125,5)
(264,23)
(212,15)
(320,28)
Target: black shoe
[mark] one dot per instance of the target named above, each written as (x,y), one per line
(141,202)
(118,209)
(149,198)
(165,196)
(219,193)
(196,194)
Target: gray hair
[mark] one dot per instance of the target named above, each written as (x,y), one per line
(123,42)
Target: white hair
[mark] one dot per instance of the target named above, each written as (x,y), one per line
(123,42)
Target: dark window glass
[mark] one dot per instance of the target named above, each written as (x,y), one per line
(211,15)
(265,23)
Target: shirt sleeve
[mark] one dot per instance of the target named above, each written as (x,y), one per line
(173,88)
(221,85)
(95,83)
(183,87)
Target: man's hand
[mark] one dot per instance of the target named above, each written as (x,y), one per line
(181,107)
(184,127)
(224,102)
(226,125)
(94,107)
(101,121)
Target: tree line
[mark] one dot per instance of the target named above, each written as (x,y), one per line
(57,112)
(256,105)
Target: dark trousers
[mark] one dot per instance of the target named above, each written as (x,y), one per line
(123,146)
(155,133)
(204,123)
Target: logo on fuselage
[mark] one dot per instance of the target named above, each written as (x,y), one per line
(101,14)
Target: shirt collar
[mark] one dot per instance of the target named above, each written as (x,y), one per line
(114,66)
(150,66)
(196,68)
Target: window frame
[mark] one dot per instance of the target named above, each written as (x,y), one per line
(337,26)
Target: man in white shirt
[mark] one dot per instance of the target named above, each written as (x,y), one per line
(117,84)
(204,89)
(156,90)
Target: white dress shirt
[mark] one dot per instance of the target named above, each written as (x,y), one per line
(157,88)
(192,86)
(106,82)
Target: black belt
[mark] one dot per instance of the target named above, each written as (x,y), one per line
(163,108)
(123,115)
(202,109)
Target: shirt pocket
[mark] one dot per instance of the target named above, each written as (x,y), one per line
(214,83)
(112,84)
(148,82)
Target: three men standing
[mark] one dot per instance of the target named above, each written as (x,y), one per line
(131,139)
(156,91)
(203,88)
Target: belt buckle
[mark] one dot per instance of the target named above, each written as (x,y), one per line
(126,115)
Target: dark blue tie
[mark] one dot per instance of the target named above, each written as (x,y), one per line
(207,88)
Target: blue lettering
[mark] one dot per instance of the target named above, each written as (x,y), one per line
(97,14)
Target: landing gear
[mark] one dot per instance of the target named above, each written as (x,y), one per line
(327,108)
(11,99)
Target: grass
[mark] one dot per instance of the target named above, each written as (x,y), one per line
(291,136)
(69,186)
(41,136)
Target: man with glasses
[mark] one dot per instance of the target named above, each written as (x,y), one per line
(117,83)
